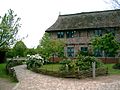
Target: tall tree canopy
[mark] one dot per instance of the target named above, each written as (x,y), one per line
(9,26)
(19,49)
(106,43)
(49,47)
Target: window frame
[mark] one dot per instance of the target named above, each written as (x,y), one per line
(99,53)
(98,32)
(70,52)
(83,49)
(60,34)
(70,34)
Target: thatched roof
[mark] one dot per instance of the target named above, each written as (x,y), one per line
(86,20)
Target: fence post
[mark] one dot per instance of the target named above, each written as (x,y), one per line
(93,70)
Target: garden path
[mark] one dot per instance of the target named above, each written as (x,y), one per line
(6,84)
(29,80)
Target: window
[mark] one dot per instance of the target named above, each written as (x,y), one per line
(111,30)
(98,32)
(70,51)
(84,49)
(98,53)
(70,34)
(60,34)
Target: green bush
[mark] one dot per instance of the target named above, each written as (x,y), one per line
(34,61)
(116,66)
(12,63)
(85,62)
(65,61)
(10,70)
(71,74)
(68,65)
(82,63)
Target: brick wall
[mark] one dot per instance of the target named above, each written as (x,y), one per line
(109,60)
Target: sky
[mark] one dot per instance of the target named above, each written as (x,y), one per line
(38,15)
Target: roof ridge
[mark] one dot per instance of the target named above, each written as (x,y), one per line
(89,12)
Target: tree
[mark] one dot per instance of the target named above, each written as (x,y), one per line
(9,26)
(10,53)
(107,44)
(20,49)
(31,51)
(48,47)
(115,4)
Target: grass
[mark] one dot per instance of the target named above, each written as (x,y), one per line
(51,67)
(111,70)
(3,73)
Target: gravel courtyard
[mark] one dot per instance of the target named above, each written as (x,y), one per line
(29,80)
(6,84)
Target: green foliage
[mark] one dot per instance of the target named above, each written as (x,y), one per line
(82,63)
(19,49)
(12,63)
(10,70)
(10,53)
(51,67)
(106,43)
(9,27)
(85,62)
(34,64)
(31,51)
(65,61)
(111,69)
(54,70)
(117,66)
(34,61)
(48,47)
(2,56)
(85,53)
(3,73)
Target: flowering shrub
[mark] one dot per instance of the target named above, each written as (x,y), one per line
(34,61)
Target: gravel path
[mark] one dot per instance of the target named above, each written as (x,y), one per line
(29,80)
(6,84)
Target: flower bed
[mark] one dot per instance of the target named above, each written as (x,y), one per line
(81,74)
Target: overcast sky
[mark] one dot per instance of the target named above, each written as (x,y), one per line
(38,15)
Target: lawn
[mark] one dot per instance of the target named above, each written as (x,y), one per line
(51,67)
(111,70)
(3,73)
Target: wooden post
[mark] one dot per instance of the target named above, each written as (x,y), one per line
(93,69)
